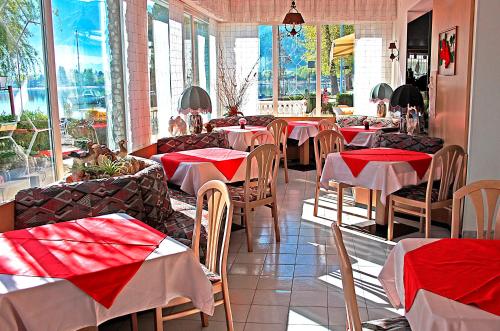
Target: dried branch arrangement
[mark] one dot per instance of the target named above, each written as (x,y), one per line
(230,91)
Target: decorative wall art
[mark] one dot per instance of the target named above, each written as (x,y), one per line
(447,52)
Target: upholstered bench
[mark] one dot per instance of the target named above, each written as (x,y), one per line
(256,120)
(418,143)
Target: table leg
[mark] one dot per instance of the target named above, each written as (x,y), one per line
(304,153)
(381,214)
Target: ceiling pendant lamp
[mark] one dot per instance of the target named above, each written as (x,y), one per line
(293,21)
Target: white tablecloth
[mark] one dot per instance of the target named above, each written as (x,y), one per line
(387,177)
(429,311)
(302,133)
(240,139)
(39,303)
(362,139)
(190,176)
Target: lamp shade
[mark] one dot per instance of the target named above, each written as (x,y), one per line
(293,18)
(194,100)
(381,92)
(407,95)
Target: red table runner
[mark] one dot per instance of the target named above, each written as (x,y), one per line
(293,124)
(98,255)
(358,159)
(350,133)
(463,270)
(227,161)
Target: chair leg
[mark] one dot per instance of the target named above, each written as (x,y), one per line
(227,307)
(390,222)
(369,206)
(204,319)
(274,208)
(427,222)
(422,221)
(340,197)
(158,319)
(316,200)
(285,161)
(133,321)
(248,229)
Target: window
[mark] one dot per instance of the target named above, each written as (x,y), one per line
(26,157)
(159,68)
(297,72)
(265,83)
(188,50)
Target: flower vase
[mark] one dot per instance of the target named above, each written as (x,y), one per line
(195,123)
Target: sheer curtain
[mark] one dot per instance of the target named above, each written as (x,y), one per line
(314,11)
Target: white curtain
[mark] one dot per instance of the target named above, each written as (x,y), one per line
(313,11)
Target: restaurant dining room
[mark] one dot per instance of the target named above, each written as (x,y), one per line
(249,165)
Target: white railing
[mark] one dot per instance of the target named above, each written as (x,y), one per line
(285,107)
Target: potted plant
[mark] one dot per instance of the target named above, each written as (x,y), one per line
(8,122)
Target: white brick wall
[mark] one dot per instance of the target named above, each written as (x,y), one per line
(371,63)
(137,73)
(240,43)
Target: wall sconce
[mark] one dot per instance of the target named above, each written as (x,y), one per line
(392,47)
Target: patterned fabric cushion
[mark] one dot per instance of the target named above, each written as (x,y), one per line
(388,324)
(357,120)
(238,193)
(417,192)
(195,141)
(212,276)
(418,143)
(70,201)
(350,120)
(257,120)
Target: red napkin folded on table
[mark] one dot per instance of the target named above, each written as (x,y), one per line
(463,270)
(358,159)
(227,164)
(98,255)
(350,133)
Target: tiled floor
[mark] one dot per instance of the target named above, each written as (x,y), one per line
(295,284)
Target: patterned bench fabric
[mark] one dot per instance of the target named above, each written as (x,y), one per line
(194,141)
(357,120)
(413,143)
(257,120)
(69,201)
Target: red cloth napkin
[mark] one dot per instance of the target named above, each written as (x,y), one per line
(98,255)
(293,124)
(358,159)
(350,133)
(227,161)
(463,270)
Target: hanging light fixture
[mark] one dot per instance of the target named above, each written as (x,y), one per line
(293,21)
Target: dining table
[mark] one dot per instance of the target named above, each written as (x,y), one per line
(359,136)
(192,168)
(445,284)
(77,274)
(240,138)
(385,170)
(302,131)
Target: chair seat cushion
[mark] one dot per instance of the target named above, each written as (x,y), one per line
(212,276)
(417,192)
(237,193)
(388,324)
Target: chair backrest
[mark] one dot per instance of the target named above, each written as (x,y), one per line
(328,124)
(220,208)
(326,142)
(447,166)
(353,319)
(267,160)
(261,138)
(278,129)
(484,195)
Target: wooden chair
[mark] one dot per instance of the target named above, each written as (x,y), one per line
(220,210)
(349,289)
(328,124)
(261,138)
(484,195)
(326,142)
(446,175)
(279,130)
(260,191)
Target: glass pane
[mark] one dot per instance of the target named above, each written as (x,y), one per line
(297,72)
(159,68)
(188,53)
(83,59)
(265,103)
(202,59)
(337,67)
(25,136)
